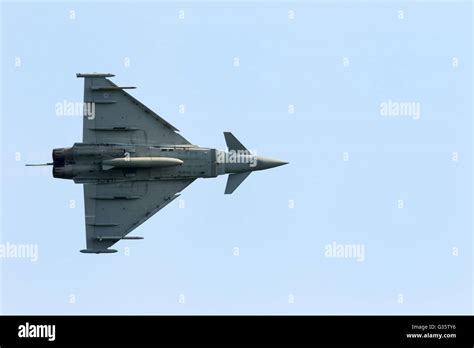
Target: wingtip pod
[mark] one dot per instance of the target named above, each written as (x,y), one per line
(95,251)
(94,75)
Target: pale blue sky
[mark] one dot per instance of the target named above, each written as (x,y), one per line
(188,251)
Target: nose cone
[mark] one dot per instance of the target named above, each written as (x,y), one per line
(267,163)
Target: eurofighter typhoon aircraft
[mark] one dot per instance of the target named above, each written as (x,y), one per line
(133,163)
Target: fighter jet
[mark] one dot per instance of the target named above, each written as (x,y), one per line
(133,163)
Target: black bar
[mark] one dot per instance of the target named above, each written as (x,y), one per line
(289,330)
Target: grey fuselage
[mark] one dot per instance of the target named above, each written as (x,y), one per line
(96,163)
